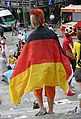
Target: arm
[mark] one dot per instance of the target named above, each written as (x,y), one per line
(68,53)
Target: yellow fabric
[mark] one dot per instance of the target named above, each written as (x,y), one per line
(76,50)
(37,76)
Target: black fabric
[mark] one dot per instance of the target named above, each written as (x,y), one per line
(42,33)
(73,63)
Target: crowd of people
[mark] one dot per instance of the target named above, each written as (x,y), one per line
(45,35)
(9,60)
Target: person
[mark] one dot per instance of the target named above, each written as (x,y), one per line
(6,75)
(68,46)
(25,34)
(3,45)
(13,29)
(17,51)
(11,61)
(20,35)
(1,31)
(52,18)
(23,38)
(41,65)
(19,39)
(3,63)
(77,73)
(17,24)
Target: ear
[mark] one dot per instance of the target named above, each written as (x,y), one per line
(34,23)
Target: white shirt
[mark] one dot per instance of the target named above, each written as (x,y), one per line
(52,17)
(20,36)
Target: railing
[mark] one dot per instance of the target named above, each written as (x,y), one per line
(17,3)
(31,3)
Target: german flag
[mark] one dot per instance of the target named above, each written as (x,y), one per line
(41,63)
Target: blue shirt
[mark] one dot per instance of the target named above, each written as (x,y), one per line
(25,35)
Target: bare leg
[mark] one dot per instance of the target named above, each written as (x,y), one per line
(50,104)
(40,102)
(50,94)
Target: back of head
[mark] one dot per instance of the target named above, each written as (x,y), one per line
(39,15)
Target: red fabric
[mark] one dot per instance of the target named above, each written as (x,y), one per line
(45,52)
(39,53)
(66,43)
(71,92)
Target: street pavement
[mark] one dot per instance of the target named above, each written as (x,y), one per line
(62,104)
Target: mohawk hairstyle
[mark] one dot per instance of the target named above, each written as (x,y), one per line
(39,13)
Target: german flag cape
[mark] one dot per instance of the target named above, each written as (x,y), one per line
(41,63)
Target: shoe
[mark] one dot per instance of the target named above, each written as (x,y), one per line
(40,113)
(71,93)
(75,111)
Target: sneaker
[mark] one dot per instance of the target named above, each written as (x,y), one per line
(71,93)
(40,113)
(78,110)
(75,111)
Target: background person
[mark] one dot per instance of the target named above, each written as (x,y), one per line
(25,34)
(3,45)
(77,52)
(17,25)
(12,61)
(68,47)
(3,63)
(52,19)
(13,29)
(1,31)
(17,51)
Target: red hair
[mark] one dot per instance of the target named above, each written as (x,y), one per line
(39,13)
